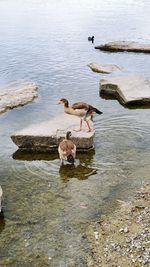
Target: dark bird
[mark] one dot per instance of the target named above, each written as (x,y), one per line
(91,39)
(67,150)
(81,110)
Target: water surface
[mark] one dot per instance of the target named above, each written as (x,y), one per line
(47,207)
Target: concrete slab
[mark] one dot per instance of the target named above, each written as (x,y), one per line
(103,68)
(17,94)
(132,89)
(121,46)
(46,136)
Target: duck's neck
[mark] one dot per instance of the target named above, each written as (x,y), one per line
(66,104)
(68,136)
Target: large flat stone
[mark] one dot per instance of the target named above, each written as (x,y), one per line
(119,46)
(1,196)
(17,94)
(132,89)
(46,136)
(103,68)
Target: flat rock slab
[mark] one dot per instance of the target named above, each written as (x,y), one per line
(124,46)
(47,135)
(1,195)
(133,89)
(17,94)
(103,68)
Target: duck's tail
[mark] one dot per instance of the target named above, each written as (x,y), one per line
(98,111)
(70,159)
(94,110)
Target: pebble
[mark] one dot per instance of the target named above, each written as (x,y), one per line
(124,230)
(96,235)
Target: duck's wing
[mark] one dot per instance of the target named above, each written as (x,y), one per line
(73,148)
(85,106)
(67,146)
(93,110)
(63,146)
(81,105)
(90,110)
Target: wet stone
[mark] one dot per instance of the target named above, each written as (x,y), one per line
(103,68)
(17,94)
(121,46)
(129,90)
(47,135)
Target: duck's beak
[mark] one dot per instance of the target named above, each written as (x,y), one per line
(58,102)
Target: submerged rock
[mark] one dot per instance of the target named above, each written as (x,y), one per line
(133,89)
(46,136)
(103,68)
(1,196)
(124,46)
(17,94)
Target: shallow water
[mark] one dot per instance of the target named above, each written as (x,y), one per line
(47,207)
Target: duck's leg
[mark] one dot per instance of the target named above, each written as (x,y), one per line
(81,124)
(78,130)
(88,125)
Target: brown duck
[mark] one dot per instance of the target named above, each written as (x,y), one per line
(81,110)
(67,149)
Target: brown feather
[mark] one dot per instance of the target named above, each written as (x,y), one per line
(67,146)
(81,105)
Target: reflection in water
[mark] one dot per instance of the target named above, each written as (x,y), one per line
(30,156)
(86,158)
(71,171)
(33,155)
(80,170)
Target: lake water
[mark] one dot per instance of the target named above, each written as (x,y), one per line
(47,207)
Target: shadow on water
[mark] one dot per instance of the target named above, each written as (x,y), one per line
(132,105)
(30,155)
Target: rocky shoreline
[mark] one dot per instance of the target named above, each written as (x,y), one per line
(122,239)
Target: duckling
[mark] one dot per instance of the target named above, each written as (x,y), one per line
(82,110)
(91,39)
(67,150)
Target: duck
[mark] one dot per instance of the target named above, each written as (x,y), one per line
(67,149)
(81,110)
(91,39)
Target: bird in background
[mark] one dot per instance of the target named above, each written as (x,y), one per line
(67,149)
(82,110)
(91,39)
